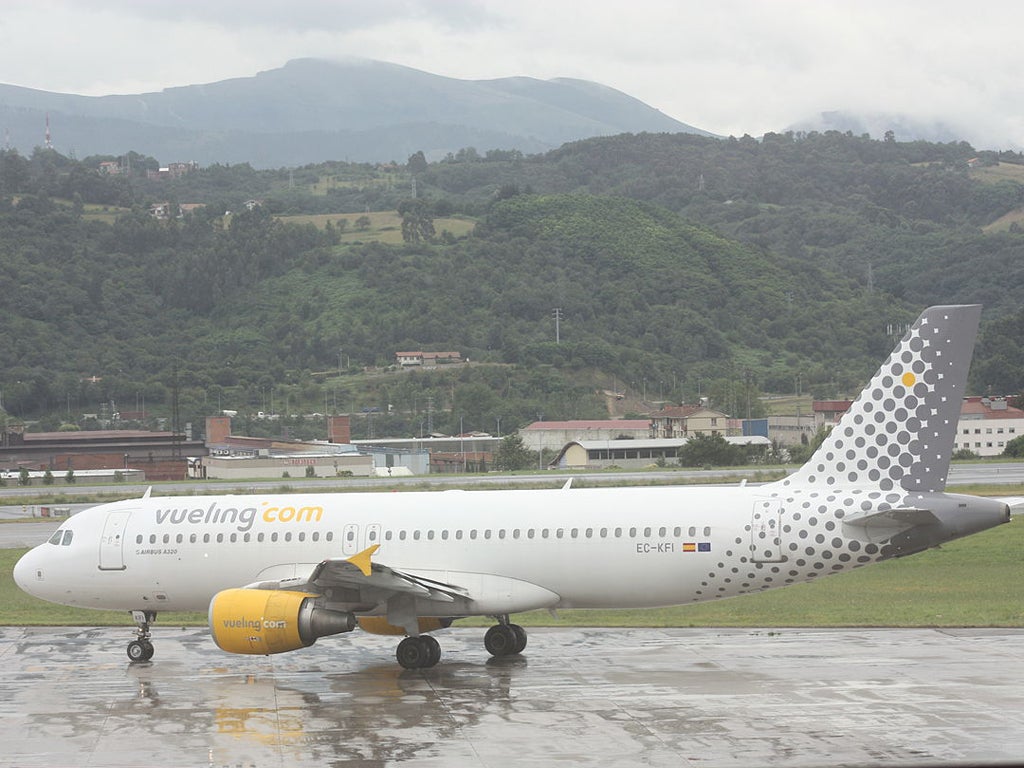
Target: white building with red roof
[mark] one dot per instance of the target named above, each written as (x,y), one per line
(987,424)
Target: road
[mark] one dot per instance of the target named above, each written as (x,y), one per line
(17,535)
(1002,473)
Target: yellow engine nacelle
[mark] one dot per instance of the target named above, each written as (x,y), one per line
(264,621)
(378,625)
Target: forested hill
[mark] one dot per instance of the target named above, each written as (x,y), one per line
(676,263)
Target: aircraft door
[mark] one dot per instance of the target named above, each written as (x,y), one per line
(112,541)
(372,535)
(766,532)
(350,539)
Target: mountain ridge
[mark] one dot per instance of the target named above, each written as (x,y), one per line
(311,110)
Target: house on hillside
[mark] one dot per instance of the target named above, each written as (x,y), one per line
(426,359)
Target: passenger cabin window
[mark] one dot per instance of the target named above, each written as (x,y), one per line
(138,539)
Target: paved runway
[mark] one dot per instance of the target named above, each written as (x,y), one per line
(658,697)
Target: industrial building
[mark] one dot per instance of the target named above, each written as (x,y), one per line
(160,455)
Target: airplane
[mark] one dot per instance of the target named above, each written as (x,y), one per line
(277,572)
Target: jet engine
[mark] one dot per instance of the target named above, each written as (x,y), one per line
(264,621)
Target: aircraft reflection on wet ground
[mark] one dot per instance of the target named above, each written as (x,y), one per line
(580,697)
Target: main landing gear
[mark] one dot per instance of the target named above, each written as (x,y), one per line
(142,648)
(505,639)
(423,651)
(418,652)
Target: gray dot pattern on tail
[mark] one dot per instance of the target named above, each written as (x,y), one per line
(900,431)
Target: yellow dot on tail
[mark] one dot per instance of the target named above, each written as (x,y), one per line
(909,379)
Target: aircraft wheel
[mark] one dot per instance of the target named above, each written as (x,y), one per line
(433,649)
(418,652)
(500,640)
(521,637)
(140,650)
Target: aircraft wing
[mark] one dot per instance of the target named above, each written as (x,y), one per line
(358,572)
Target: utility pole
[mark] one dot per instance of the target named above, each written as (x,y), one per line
(557,313)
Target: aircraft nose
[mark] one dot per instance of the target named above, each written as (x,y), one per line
(28,572)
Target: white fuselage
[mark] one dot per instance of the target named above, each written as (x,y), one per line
(509,550)
(604,548)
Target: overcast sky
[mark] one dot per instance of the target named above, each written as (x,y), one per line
(727,66)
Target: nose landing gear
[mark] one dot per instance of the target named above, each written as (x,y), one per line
(142,648)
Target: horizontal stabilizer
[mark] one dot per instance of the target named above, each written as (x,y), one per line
(898,519)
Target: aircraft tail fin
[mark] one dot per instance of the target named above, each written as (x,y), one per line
(899,432)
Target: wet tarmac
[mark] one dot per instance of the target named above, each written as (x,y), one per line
(657,697)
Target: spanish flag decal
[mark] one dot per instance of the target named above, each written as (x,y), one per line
(694,546)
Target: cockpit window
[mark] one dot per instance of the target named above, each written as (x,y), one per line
(55,539)
(67,538)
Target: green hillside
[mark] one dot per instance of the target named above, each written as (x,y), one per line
(678,264)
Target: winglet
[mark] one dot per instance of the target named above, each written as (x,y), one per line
(361,560)
(149,490)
